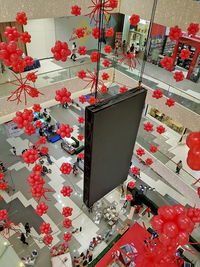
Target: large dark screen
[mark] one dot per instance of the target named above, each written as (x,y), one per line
(110,132)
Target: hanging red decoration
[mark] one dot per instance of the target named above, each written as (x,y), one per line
(38,124)
(167,63)
(63,96)
(82,50)
(148,127)
(105,76)
(30,129)
(10,53)
(2,175)
(82,99)
(67,237)
(157,94)
(76,10)
(81,155)
(42,140)
(109,33)
(45,228)
(106,63)
(107,49)
(37,168)
(80,32)
(47,239)
(30,156)
(179,76)
(153,149)
(61,51)
(92,100)
(193,139)
(193,29)
(80,137)
(31,76)
(35,179)
(11,33)
(21,18)
(185,54)
(3,186)
(123,89)
(149,161)
(140,152)
(25,37)
(66,168)
(3,214)
(64,130)
(81,119)
(160,129)
(38,191)
(67,223)
(96,33)
(67,211)
(193,158)
(135,170)
(41,208)
(170,102)
(44,150)
(134,19)
(129,58)
(95,56)
(66,191)
(175,33)
(28,61)
(131,185)
(104,89)
(82,74)
(91,79)
(129,197)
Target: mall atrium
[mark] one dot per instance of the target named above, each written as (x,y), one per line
(100,133)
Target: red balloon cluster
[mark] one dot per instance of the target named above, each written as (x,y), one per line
(82,74)
(148,127)
(21,18)
(76,10)
(11,33)
(95,56)
(149,161)
(3,186)
(105,76)
(67,223)
(106,63)
(135,170)
(129,197)
(32,77)
(82,50)
(81,119)
(42,140)
(160,129)
(2,175)
(47,239)
(107,49)
(66,168)
(92,100)
(167,63)
(80,32)
(193,29)
(109,32)
(63,96)
(193,157)
(41,208)
(175,33)
(81,155)
(25,37)
(80,137)
(45,228)
(60,51)
(30,129)
(3,214)
(96,32)
(36,107)
(140,152)
(30,156)
(194,214)
(44,150)
(22,119)
(67,237)
(123,89)
(67,211)
(82,99)
(134,19)
(11,54)
(38,124)
(185,54)
(170,102)
(37,168)
(104,89)
(66,191)
(64,130)
(153,149)
(179,76)
(28,61)
(157,94)
(131,185)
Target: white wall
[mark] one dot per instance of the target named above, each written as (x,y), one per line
(42,32)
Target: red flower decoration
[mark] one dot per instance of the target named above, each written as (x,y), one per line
(92,100)
(193,29)
(160,129)
(2,175)
(38,124)
(44,150)
(64,130)
(140,152)
(135,170)
(21,18)
(123,89)
(25,37)
(30,156)
(107,49)
(63,96)
(129,197)
(82,74)
(129,59)
(95,56)
(47,239)
(45,228)
(82,50)
(109,33)
(105,76)
(41,208)
(170,102)
(81,155)
(76,10)
(66,191)
(167,63)
(82,99)
(37,107)
(91,79)
(131,185)
(104,89)
(66,168)
(153,149)
(28,61)
(185,54)
(22,119)
(11,33)
(81,119)
(148,161)
(67,237)
(42,140)
(148,127)
(37,168)
(31,77)
(157,94)
(3,214)
(106,63)
(134,19)
(67,223)
(80,32)
(3,186)
(179,76)
(175,33)
(80,137)
(30,129)
(67,211)
(96,33)
(60,51)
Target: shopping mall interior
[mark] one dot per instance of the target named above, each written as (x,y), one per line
(99,133)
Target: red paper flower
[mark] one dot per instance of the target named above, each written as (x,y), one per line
(67,211)
(148,127)
(129,197)
(123,89)
(82,74)
(66,191)
(104,89)
(175,33)
(41,208)
(64,130)
(92,100)
(60,51)
(105,76)
(135,170)
(106,63)
(67,237)
(31,77)
(193,29)
(81,119)
(76,10)
(185,54)
(45,228)
(3,214)
(140,152)
(157,94)
(148,161)
(160,129)
(95,56)
(82,99)
(47,239)
(170,102)
(153,149)
(179,76)
(67,223)
(134,19)
(21,18)
(109,32)
(80,137)
(11,33)
(107,49)
(37,107)
(38,124)
(96,33)
(82,50)
(25,37)
(66,168)
(80,32)
(167,63)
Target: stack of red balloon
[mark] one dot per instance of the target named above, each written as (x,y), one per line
(41,208)
(63,96)
(22,119)
(64,130)
(66,191)
(61,51)
(30,156)
(66,168)
(48,239)
(67,211)
(45,228)
(193,158)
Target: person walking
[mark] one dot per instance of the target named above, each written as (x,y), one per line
(28,229)
(179,166)
(49,159)
(14,150)
(117,45)
(73,55)
(23,239)
(124,47)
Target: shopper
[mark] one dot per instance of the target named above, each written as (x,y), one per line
(14,150)
(73,56)
(23,239)
(179,166)
(49,159)
(132,48)
(117,45)
(124,47)
(28,229)
(75,170)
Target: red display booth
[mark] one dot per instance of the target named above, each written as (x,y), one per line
(193,42)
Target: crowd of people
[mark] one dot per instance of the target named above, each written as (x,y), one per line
(83,260)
